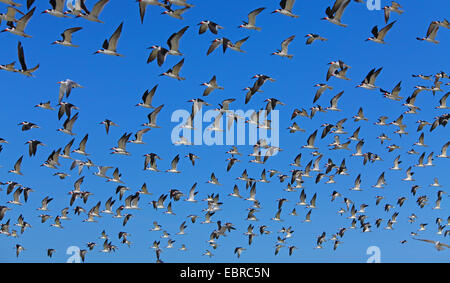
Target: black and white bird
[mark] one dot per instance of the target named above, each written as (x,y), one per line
(110,46)
(94,13)
(284,48)
(21,24)
(286,8)
(251,24)
(67,37)
(208,25)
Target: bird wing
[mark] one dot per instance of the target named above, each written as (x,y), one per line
(98,7)
(384,30)
(22,23)
(173,41)
(112,45)
(252,16)
(286,42)
(213,46)
(67,34)
(152,116)
(239,43)
(21,56)
(176,69)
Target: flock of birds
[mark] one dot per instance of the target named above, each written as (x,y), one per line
(124,202)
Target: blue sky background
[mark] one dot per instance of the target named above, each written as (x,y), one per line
(112,86)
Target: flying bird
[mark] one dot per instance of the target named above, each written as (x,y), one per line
(110,46)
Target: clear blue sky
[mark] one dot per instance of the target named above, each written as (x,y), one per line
(112,86)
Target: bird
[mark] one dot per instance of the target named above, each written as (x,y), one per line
(110,46)
(211,86)
(334,102)
(369,80)
(57,9)
(213,180)
(82,146)
(24,71)
(44,204)
(313,37)
(378,35)
(239,251)
(121,145)
(226,43)
(394,7)
(21,24)
(26,126)
(177,14)
(286,8)
(284,48)
(214,45)
(335,13)
(438,245)
(19,249)
(152,117)
(68,125)
(32,146)
(143,6)
(10,15)
(17,167)
(394,94)
(67,37)
(251,24)
(139,135)
(108,123)
(65,89)
(433,28)
(116,177)
(147,98)
(443,102)
(50,252)
(337,69)
(160,53)
(94,13)
(174,72)
(311,140)
(174,165)
(209,25)
(444,149)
